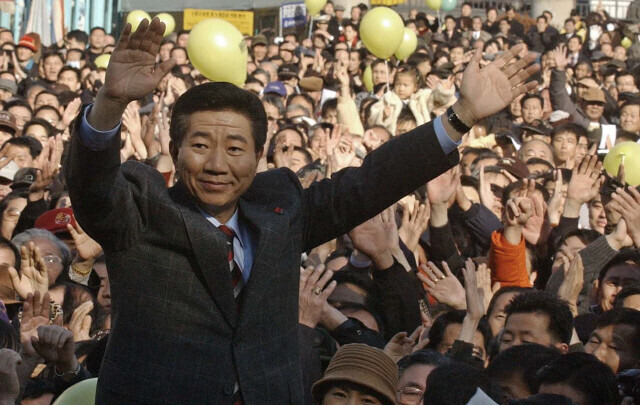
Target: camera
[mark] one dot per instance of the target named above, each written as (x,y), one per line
(629,384)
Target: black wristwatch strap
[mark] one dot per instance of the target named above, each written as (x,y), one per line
(456,122)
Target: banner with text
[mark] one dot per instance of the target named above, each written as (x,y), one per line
(242,20)
(293,15)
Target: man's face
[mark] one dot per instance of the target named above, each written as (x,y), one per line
(349,33)
(413,379)
(630,118)
(524,328)
(497,316)
(217,160)
(597,215)
(104,294)
(450,24)
(564,147)
(574,45)
(288,138)
(582,71)
(626,84)
(23,54)
(52,66)
(620,53)
(536,149)
(378,74)
(52,257)
(97,39)
(46,99)
(182,40)
(73,43)
(355,14)
(569,26)
(165,51)
(612,346)
(21,154)
(456,54)
(354,62)
(569,247)
(69,79)
(594,110)
(259,51)
(180,56)
(476,24)
(541,24)
(22,115)
(451,333)
(492,15)
(531,110)
(619,276)
(6,36)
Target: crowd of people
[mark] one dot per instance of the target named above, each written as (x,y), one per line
(512,278)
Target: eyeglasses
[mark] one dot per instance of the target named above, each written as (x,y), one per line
(51,260)
(410,395)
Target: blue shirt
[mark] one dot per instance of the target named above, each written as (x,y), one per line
(244,243)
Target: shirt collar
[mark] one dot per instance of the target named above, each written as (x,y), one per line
(233,222)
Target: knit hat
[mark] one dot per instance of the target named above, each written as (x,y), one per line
(363,365)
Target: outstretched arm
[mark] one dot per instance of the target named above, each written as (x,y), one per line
(333,207)
(103,200)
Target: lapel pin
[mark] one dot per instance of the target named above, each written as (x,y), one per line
(278,210)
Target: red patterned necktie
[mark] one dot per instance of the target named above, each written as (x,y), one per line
(236,273)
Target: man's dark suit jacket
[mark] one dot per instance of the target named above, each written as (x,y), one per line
(177,335)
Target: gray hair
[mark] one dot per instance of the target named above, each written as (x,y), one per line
(25,237)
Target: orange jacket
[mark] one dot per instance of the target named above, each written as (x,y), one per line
(508,262)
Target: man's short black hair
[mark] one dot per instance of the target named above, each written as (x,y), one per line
(627,291)
(45,108)
(456,384)
(425,357)
(540,302)
(578,130)
(576,36)
(6,243)
(51,131)
(449,17)
(522,360)
(624,316)
(71,69)
(79,36)
(585,374)
(529,96)
(97,28)
(18,102)
(436,333)
(306,97)
(34,145)
(218,96)
(52,54)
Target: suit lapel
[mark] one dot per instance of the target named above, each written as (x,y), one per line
(271,228)
(210,250)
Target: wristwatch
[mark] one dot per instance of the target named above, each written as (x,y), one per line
(456,122)
(68,375)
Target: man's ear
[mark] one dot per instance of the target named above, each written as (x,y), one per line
(259,154)
(563,347)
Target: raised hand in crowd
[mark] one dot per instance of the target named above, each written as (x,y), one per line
(87,248)
(132,73)
(80,323)
(584,185)
(402,344)
(315,288)
(628,199)
(440,193)
(56,345)
(573,281)
(474,298)
(415,221)
(33,276)
(36,312)
(444,287)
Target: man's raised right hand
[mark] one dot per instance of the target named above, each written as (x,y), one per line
(131,74)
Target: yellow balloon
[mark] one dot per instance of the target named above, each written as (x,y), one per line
(434,4)
(314,6)
(629,154)
(102,61)
(408,44)
(135,17)
(626,42)
(218,50)
(169,22)
(82,393)
(367,78)
(381,31)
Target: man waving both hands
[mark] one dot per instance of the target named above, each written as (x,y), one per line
(204,276)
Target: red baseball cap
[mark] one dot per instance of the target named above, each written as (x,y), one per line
(56,221)
(28,42)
